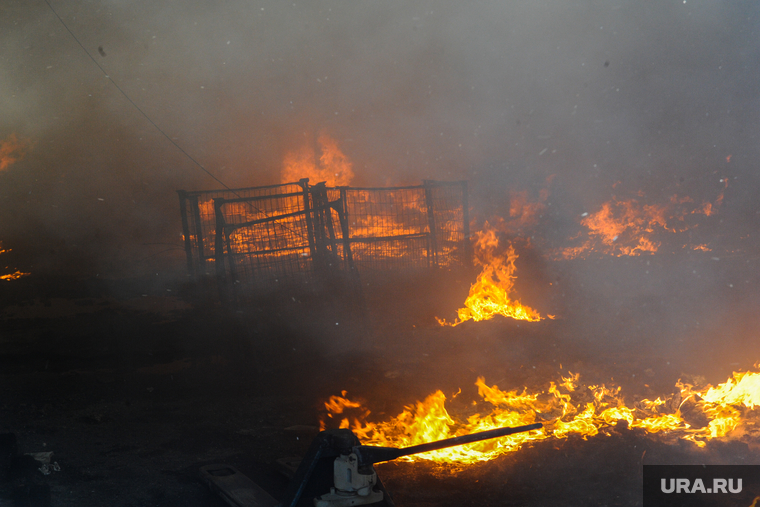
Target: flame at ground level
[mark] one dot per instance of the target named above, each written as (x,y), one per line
(565,408)
(10,276)
(12,149)
(491,294)
(628,227)
(14,276)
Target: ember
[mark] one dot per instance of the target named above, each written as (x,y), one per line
(14,276)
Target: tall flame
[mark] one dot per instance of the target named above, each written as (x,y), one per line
(331,166)
(490,295)
(566,408)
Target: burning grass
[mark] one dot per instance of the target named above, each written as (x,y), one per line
(12,149)
(492,292)
(630,227)
(14,275)
(566,408)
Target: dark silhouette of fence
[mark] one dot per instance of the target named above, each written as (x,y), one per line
(298,233)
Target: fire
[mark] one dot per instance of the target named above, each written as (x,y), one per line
(741,389)
(526,209)
(12,150)
(10,276)
(331,166)
(524,213)
(566,408)
(629,227)
(14,276)
(709,208)
(625,227)
(491,293)
(403,230)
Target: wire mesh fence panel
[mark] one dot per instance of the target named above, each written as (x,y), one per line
(390,228)
(199,222)
(296,233)
(387,227)
(386,212)
(372,254)
(338,247)
(278,239)
(448,217)
(258,269)
(268,245)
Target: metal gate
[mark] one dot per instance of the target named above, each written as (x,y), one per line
(298,233)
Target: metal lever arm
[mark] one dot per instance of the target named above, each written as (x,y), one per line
(369,455)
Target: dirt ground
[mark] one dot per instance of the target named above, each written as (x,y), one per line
(133,386)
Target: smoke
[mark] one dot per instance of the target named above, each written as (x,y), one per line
(655,96)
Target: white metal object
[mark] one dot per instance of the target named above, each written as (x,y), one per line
(351,486)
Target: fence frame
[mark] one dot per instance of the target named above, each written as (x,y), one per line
(315,206)
(196,231)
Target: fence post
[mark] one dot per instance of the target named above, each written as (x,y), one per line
(219,248)
(431,219)
(233,279)
(198,234)
(346,231)
(326,233)
(186,233)
(307,210)
(354,279)
(466,225)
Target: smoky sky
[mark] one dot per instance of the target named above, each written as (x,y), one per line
(655,95)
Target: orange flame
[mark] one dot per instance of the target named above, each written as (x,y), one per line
(523,212)
(491,293)
(628,227)
(14,276)
(566,409)
(12,150)
(332,166)
(10,276)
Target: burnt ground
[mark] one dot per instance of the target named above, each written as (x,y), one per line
(133,385)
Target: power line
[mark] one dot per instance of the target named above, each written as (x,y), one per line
(250,204)
(133,102)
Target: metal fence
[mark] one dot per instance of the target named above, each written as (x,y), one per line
(295,232)
(199,223)
(390,228)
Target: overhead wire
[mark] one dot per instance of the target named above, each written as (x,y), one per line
(145,115)
(134,103)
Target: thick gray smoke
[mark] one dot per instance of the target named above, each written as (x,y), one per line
(654,95)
